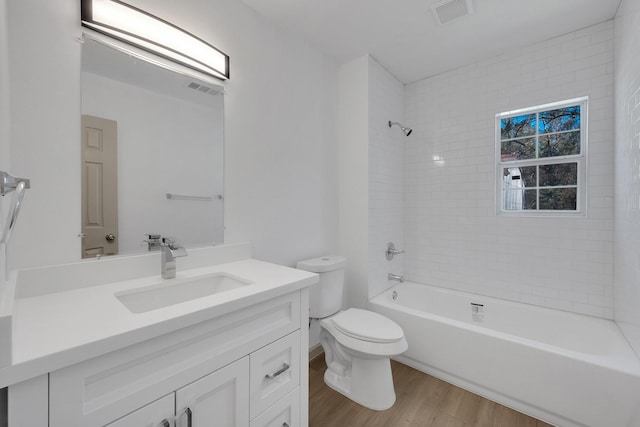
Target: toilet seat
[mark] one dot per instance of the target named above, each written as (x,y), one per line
(359,334)
(367,326)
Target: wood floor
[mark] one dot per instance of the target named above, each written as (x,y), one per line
(421,401)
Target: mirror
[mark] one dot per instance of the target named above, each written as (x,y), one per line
(168,141)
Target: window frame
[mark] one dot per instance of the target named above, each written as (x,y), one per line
(580,159)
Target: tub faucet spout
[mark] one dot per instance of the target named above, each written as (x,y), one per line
(396,277)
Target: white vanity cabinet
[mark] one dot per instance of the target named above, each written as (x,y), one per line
(240,369)
(83,356)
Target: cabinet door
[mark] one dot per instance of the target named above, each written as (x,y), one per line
(156,414)
(220,399)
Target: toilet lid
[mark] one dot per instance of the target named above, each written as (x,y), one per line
(367,326)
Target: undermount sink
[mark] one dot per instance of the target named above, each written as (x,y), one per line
(175,291)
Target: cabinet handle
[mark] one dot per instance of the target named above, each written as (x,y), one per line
(165,423)
(189,417)
(285,368)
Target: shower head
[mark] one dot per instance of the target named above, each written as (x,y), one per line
(407,131)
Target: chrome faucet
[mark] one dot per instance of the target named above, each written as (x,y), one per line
(169,250)
(154,242)
(395,277)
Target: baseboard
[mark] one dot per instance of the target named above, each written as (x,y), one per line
(315,351)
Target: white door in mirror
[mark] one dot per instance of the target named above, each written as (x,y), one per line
(99,187)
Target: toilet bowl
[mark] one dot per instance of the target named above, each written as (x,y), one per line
(358,344)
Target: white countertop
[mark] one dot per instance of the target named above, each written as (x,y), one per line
(55,330)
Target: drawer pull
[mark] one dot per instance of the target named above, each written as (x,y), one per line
(165,423)
(189,417)
(285,424)
(285,368)
(186,411)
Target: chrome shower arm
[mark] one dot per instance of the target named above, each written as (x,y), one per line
(407,131)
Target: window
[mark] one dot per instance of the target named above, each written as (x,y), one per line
(541,159)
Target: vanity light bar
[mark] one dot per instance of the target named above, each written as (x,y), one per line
(139,28)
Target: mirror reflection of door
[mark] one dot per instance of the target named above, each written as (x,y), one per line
(99,187)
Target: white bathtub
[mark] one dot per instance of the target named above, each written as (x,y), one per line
(564,368)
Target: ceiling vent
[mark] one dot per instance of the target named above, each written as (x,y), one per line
(202,88)
(450,10)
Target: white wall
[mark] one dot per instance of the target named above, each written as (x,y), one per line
(4,163)
(45,119)
(156,157)
(370,160)
(4,124)
(353,139)
(280,121)
(453,236)
(386,176)
(5,326)
(371,176)
(627,172)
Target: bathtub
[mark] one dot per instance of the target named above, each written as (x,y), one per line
(566,369)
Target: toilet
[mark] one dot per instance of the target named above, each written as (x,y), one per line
(358,344)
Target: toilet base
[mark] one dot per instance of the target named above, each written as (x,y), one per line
(369,383)
(360,369)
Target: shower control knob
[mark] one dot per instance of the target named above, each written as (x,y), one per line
(110,237)
(392,251)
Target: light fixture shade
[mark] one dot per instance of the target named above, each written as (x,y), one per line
(139,28)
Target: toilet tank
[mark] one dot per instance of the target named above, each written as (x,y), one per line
(325,297)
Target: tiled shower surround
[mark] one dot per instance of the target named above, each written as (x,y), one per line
(627,172)
(386,175)
(452,234)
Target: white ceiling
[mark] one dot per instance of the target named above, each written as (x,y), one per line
(404,36)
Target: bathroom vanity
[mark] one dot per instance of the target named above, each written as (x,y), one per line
(109,343)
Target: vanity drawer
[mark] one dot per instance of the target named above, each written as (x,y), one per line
(275,371)
(284,413)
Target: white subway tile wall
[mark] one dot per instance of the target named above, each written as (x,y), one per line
(627,171)
(386,176)
(452,234)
